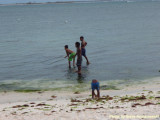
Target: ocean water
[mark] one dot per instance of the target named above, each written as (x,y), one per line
(123,44)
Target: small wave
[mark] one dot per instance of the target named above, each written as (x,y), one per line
(56,61)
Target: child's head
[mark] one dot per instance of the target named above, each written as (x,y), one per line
(66,47)
(77,44)
(94,81)
(81,38)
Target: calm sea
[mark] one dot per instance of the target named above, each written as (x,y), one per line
(123,43)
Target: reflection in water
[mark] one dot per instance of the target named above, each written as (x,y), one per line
(72,75)
(80,78)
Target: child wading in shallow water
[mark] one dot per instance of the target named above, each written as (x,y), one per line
(70,55)
(83,45)
(95,85)
(79,57)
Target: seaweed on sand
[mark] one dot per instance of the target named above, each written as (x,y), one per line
(132,98)
(75,100)
(27,91)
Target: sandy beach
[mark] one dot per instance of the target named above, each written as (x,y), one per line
(132,103)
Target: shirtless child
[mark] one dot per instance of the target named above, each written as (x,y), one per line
(70,54)
(83,45)
(79,57)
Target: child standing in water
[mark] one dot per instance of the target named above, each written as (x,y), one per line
(70,55)
(79,57)
(83,45)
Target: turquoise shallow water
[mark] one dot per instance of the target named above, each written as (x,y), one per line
(123,43)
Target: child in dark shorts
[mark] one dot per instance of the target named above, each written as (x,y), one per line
(95,86)
(83,47)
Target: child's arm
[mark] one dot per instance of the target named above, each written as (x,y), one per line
(85,43)
(67,54)
(75,55)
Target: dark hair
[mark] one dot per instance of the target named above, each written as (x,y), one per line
(82,37)
(77,44)
(66,46)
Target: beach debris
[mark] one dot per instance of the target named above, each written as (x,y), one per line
(78,110)
(117,107)
(18,106)
(41,104)
(46,107)
(21,108)
(146,104)
(157,97)
(32,103)
(49,99)
(132,98)
(53,96)
(47,114)
(100,107)
(150,92)
(13,113)
(151,97)
(134,105)
(25,113)
(75,100)
(73,105)
(149,103)
(77,92)
(89,100)
(27,90)
(94,108)
(25,105)
(102,99)
(158,92)
(40,92)
(107,98)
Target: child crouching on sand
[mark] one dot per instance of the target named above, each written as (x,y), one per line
(70,55)
(95,85)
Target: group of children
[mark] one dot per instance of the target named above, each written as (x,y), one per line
(81,51)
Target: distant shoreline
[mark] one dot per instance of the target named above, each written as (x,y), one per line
(34,3)
(62,2)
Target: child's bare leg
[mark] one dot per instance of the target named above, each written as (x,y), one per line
(93,94)
(79,70)
(69,64)
(87,60)
(98,93)
(74,61)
